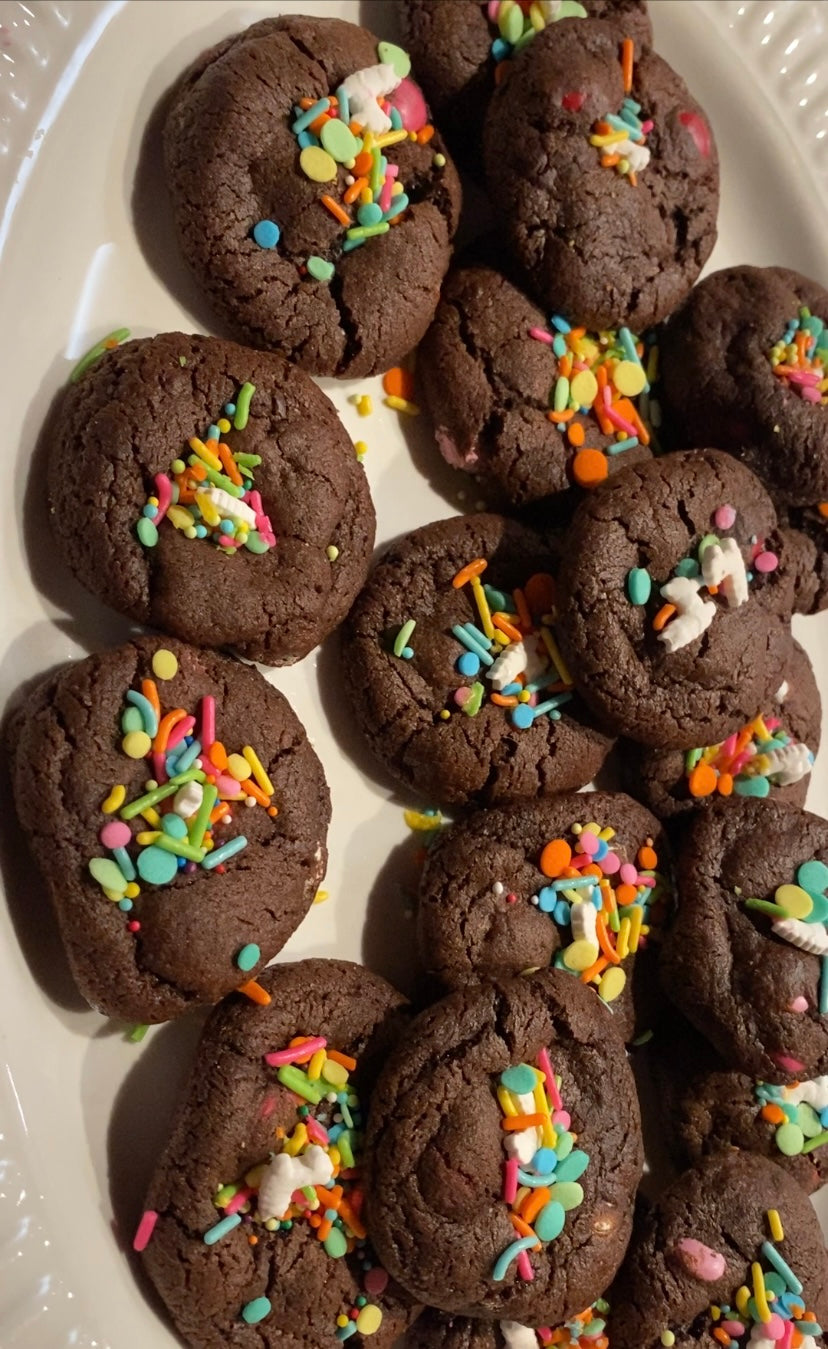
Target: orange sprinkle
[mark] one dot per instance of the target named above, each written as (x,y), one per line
(603,128)
(197,471)
(540,593)
(625,894)
(712,590)
(398,383)
(823,509)
(344,1060)
(324,1229)
(332,205)
(218,755)
(149,689)
(800,340)
(565,366)
(523,611)
(218,812)
(318,122)
(560,417)
(604,940)
(351,193)
(165,726)
(252,1241)
(363,163)
(424,136)
(522,1228)
(533,1203)
(774,1114)
(592,869)
(633,178)
(576,333)
(647,858)
(627,58)
(255,993)
(347,1213)
(589,468)
(513,1123)
(467,573)
(501,70)
(508,629)
(663,616)
(555,857)
(229,465)
(575,434)
(251,788)
(503,699)
(598,968)
(725,784)
(610,161)
(702,780)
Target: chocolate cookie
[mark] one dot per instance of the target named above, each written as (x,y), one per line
(807,529)
(439,700)
(435,1330)
(488,1092)
(670,586)
(132,770)
(604,171)
(462,48)
(744,956)
(495,898)
(181,449)
(313,202)
(253,1233)
(673,783)
(743,362)
(526,413)
(733,1223)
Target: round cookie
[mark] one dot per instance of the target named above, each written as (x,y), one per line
(672,782)
(258,1274)
(437,708)
(282,265)
(507,370)
(303,504)
(708,1237)
(597,244)
(807,528)
(670,586)
(458,51)
(494,899)
(440,1163)
(728,372)
(742,958)
(435,1330)
(162,902)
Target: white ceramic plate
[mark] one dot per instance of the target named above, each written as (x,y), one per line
(82,1113)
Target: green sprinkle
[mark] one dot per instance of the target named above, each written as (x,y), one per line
(319,269)
(95,353)
(390,54)
(297,1081)
(790,1140)
(179,848)
(242,412)
(472,705)
(561,397)
(136,1035)
(765,906)
(147,532)
(639,585)
(216,478)
(818,1142)
(401,639)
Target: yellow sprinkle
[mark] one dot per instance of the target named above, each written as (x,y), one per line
(592,828)
(742,1299)
(321,896)
(333,1153)
(164,664)
(136,744)
(401,404)
(342,1321)
(483,607)
(501,638)
(365,405)
(368,141)
(519,1197)
(760,1295)
(314,1069)
(636,919)
(390,138)
(555,655)
(622,946)
(612,138)
(761,729)
(115,800)
(716,1313)
(507,1105)
(152,817)
(297,1140)
(524,696)
(361,449)
(606,834)
(259,774)
(198,447)
(148,836)
(253,1177)
(132,891)
(223,425)
(208,509)
(775,1224)
(180,517)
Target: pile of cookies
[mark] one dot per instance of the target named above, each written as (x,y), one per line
(654,456)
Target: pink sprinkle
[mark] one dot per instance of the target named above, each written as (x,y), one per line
(610,864)
(228,787)
(618,420)
(629,874)
(734,1328)
(461,696)
(766,562)
(375,1281)
(316,1131)
(580,859)
(208,721)
(492,10)
(743,759)
(799,1004)
(788,1064)
(588,842)
(551,1085)
(510,1180)
(178,732)
(163,490)
(700,1261)
(573,101)
(133,925)
(772,723)
(647,880)
(280,1057)
(391,172)
(729,745)
(544,1334)
(787,1338)
(115,834)
(159,767)
(267,1107)
(228,541)
(775,1327)
(811,395)
(802,377)
(511,898)
(208,765)
(724,517)
(254,501)
(563,1118)
(524,1267)
(540,335)
(144,1230)
(233,1205)
(647,126)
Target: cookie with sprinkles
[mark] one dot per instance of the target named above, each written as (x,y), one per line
(435,1330)
(732,1255)
(674,591)
(807,528)
(461,49)
(768,758)
(254,1231)
(455,672)
(745,957)
(536,406)
(178,815)
(223,501)
(604,172)
(313,201)
(504,1150)
(745,360)
(579,881)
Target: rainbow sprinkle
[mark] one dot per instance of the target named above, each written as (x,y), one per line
(518,23)
(543,1167)
(749,762)
(800,916)
(799,1113)
(800,356)
(769,1306)
(621,140)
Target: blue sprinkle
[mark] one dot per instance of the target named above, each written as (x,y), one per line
(407,653)
(396,119)
(500,49)
(468,664)
(125,905)
(266,233)
(306,138)
(511,690)
(344,105)
(556,321)
(559,344)
(522,716)
(547,899)
(619,446)
(563,913)
(149,512)
(305,118)
(544,1159)
(348,247)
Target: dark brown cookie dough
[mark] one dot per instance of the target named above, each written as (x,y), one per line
(435,1330)
(249,1286)
(719,380)
(594,246)
(645,537)
(450,42)
(806,528)
(697,1246)
(743,975)
(233,161)
(131,417)
(408,707)
(489,386)
(492,902)
(662,778)
(148,957)
(437,1160)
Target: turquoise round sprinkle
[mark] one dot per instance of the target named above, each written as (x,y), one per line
(174,826)
(639,585)
(573,1166)
(155,866)
(147,532)
(522,716)
(520,1079)
(257,1310)
(549,1222)
(248,956)
(813,876)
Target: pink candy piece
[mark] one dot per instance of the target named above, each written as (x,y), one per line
(629,874)
(461,696)
(375,1281)
(510,1180)
(524,1267)
(115,834)
(772,723)
(700,1261)
(408,99)
(208,721)
(766,562)
(588,843)
(144,1230)
(618,420)
(698,129)
(610,864)
(563,1118)
(724,517)
(279,1057)
(267,1107)
(799,1004)
(788,1064)
(179,730)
